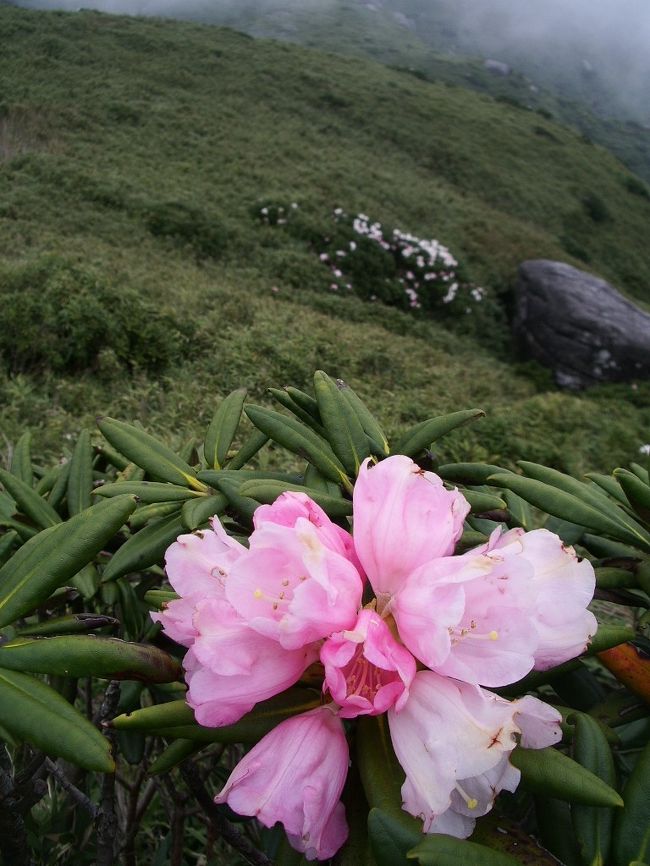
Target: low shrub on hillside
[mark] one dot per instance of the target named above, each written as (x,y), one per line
(62,317)
(188,226)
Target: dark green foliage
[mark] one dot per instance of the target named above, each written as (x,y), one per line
(62,317)
(595,208)
(636,186)
(187,226)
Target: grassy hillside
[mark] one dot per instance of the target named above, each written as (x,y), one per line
(135,156)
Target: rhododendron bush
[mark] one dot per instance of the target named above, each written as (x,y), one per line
(349,661)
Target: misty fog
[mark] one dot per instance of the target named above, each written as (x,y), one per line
(606,43)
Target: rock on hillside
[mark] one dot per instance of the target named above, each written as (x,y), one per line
(580,326)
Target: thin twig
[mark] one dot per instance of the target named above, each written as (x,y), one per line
(71,789)
(106,821)
(230,834)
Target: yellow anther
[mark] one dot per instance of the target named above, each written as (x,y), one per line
(472,803)
(258,593)
(494,635)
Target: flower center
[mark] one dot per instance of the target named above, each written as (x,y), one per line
(363,678)
(465,633)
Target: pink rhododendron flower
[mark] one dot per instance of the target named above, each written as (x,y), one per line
(453,740)
(366,669)
(295,775)
(403,517)
(254,619)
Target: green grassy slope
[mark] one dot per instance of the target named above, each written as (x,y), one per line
(107,120)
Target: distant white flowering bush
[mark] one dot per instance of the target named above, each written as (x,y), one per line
(395,267)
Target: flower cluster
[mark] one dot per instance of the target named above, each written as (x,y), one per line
(396,624)
(273,214)
(420,273)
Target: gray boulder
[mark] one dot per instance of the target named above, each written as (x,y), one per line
(579,325)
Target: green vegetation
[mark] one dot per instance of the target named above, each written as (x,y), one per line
(136,153)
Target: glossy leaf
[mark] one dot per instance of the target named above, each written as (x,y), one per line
(422,435)
(343,427)
(637,492)
(148,453)
(222,428)
(268,492)
(21,459)
(80,477)
(481,503)
(632,826)
(198,511)
(28,501)
(154,511)
(249,449)
(174,754)
(549,772)
(148,491)
(308,418)
(301,440)
(147,547)
(371,426)
(56,554)
(69,624)
(440,850)
(89,655)
(167,715)
(593,825)
(468,473)
(35,713)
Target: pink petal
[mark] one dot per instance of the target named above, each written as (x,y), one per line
(198,564)
(403,517)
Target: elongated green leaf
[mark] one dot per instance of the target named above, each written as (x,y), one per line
(609,636)
(593,825)
(60,486)
(556,830)
(391,837)
(307,418)
(148,453)
(268,491)
(119,461)
(174,754)
(615,578)
(376,437)
(147,547)
(249,449)
(564,505)
(21,460)
(315,481)
(640,472)
(23,531)
(588,493)
(80,478)
(237,477)
(86,581)
(28,501)
(299,439)
(69,624)
(158,598)
(88,655)
(480,503)
(154,511)
(422,435)
(47,482)
(148,491)
(167,715)
(305,401)
(343,428)
(263,718)
(631,840)
(197,511)
(222,428)
(56,554)
(605,547)
(245,506)
(33,712)
(8,541)
(468,473)
(549,772)
(441,850)
(637,492)
(609,484)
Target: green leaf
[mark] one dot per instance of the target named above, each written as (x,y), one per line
(222,428)
(167,715)
(556,830)
(174,754)
(468,473)
(632,827)
(305,401)
(249,449)
(147,547)
(609,484)
(148,453)
(609,636)
(158,598)
(80,478)
(268,492)
(60,486)
(549,772)
(376,437)
(422,435)
(198,511)
(390,837)
(148,491)
(245,506)
(89,655)
(480,503)
(593,825)
(637,492)
(21,460)
(314,422)
(440,850)
(154,511)
(253,726)
(640,472)
(343,428)
(564,505)
(69,624)
(56,554)
(615,578)
(33,712)
(28,501)
(299,439)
